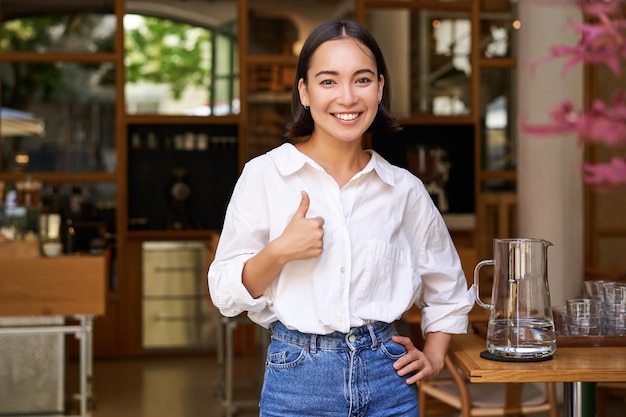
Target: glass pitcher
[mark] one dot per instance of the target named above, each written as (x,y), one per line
(520,324)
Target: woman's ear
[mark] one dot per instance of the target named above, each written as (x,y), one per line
(304,95)
(381,84)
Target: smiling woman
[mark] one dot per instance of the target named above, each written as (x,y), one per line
(305,252)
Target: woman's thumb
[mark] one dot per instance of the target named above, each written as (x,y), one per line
(304,205)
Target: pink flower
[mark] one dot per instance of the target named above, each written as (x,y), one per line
(601,43)
(564,120)
(599,7)
(606,176)
(603,124)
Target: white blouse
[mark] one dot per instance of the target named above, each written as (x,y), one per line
(386,247)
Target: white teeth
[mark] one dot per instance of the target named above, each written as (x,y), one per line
(345,116)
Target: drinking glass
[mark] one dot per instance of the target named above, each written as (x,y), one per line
(584,317)
(559,315)
(614,292)
(594,289)
(615,319)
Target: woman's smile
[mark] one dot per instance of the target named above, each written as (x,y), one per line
(346,116)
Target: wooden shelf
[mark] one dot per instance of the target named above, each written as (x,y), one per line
(431,119)
(170,234)
(165,119)
(281,60)
(54,57)
(59,177)
(425,4)
(268,97)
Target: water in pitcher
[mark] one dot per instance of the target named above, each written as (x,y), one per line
(521,338)
(521,325)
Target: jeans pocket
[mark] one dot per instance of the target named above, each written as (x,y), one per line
(282,355)
(392,349)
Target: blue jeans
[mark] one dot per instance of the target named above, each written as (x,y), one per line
(339,374)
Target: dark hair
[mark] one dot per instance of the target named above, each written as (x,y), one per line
(331,30)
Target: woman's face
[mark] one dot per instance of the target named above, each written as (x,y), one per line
(343,90)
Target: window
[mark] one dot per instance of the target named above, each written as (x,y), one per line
(174,67)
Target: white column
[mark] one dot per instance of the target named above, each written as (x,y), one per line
(550,189)
(395,46)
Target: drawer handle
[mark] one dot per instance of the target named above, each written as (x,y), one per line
(170,269)
(165,317)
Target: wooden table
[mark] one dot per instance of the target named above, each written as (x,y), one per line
(57,286)
(65,286)
(571,365)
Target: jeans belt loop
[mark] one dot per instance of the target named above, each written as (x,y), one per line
(375,343)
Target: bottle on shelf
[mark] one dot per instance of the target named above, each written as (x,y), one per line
(50,223)
(70,237)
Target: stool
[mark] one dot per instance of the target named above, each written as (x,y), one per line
(226,359)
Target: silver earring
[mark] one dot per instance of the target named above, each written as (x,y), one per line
(306,107)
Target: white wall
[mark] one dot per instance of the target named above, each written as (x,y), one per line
(396,49)
(550,189)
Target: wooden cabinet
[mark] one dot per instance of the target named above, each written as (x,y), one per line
(175,310)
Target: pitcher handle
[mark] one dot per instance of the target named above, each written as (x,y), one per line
(477,279)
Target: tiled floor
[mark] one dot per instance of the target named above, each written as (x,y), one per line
(168,387)
(182,387)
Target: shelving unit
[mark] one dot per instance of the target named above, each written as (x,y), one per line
(144,174)
(269,73)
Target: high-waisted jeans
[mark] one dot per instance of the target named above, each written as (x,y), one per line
(338,375)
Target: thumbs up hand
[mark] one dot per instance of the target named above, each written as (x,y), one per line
(303,238)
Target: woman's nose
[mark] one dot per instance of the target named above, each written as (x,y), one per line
(347,95)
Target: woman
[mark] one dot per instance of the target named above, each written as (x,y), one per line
(328,244)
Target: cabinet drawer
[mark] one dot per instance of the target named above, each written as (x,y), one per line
(173,271)
(174,282)
(190,322)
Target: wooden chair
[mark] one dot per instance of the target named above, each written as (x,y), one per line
(497,218)
(606,390)
(451,392)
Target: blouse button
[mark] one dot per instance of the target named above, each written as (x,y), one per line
(343,269)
